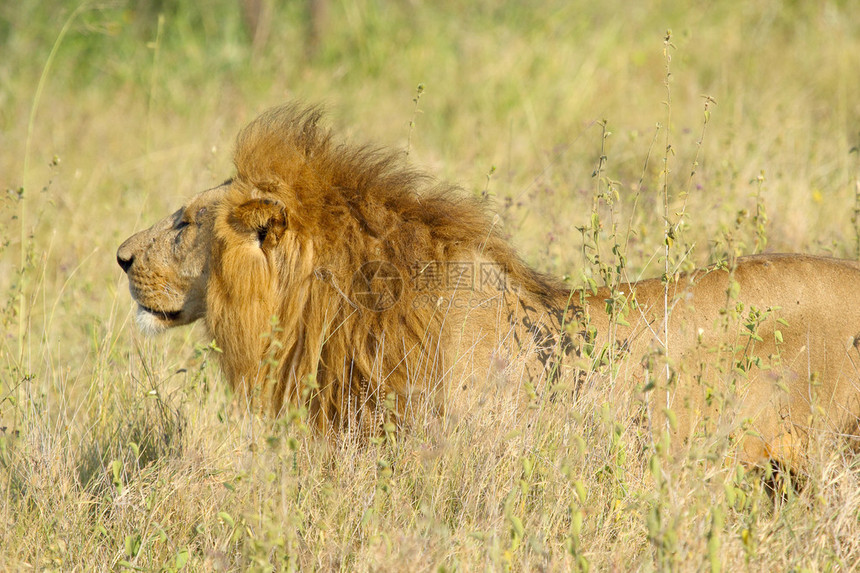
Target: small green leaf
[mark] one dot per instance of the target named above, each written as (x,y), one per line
(580,490)
(479,535)
(132,544)
(161,535)
(672,417)
(226,518)
(654,464)
(517,528)
(182,557)
(527,467)
(576,522)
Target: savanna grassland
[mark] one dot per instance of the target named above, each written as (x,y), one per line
(598,136)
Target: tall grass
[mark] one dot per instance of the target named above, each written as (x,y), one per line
(120,452)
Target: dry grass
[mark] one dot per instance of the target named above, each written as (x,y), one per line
(120,452)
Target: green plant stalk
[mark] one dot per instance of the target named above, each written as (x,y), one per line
(667,226)
(415,111)
(760,217)
(22,299)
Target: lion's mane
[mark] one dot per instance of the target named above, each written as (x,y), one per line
(305,214)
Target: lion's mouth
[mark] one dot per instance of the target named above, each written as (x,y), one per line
(166,315)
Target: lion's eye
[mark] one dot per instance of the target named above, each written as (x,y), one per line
(179,228)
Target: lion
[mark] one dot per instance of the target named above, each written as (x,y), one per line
(335,277)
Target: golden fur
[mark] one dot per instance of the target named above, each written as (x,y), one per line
(333,276)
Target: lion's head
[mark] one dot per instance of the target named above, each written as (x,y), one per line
(168,264)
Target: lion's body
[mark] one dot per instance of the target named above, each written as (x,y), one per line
(332,276)
(783,372)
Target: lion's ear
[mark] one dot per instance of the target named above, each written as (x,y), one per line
(262,219)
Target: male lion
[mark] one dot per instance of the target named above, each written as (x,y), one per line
(333,276)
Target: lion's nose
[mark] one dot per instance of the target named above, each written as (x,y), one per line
(124,260)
